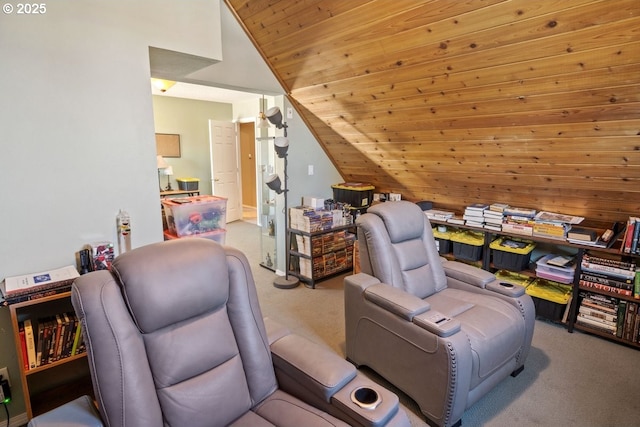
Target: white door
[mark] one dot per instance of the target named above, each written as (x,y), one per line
(224,166)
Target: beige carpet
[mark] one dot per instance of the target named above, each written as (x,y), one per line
(569,379)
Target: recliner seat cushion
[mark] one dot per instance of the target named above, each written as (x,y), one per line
(494,327)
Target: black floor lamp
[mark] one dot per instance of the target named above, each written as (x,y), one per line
(281,145)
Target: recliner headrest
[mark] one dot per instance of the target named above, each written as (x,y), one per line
(404,220)
(167,282)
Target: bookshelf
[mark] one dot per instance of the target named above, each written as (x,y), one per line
(581,292)
(318,255)
(59,381)
(580,251)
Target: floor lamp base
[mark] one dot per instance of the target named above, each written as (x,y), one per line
(282,282)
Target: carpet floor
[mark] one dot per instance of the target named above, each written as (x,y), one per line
(569,379)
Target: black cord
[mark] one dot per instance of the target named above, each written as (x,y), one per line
(6,408)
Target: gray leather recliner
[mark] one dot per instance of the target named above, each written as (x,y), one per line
(442,331)
(175,337)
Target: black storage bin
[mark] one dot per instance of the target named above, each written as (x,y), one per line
(356,194)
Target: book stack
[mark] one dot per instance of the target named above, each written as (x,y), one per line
(307,219)
(630,244)
(50,339)
(438,214)
(494,216)
(582,235)
(608,275)
(553,225)
(518,220)
(474,215)
(39,285)
(598,312)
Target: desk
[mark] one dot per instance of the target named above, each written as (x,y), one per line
(180,193)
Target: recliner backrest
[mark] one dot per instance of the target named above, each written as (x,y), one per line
(193,348)
(396,245)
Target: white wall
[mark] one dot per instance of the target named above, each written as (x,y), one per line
(77,132)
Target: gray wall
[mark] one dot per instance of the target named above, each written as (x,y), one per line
(77,129)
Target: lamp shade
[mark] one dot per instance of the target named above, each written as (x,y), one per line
(274,115)
(281,145)
(274,183)
(162,163)
(263,123)
(168,171)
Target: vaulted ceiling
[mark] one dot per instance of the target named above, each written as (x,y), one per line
(532,103)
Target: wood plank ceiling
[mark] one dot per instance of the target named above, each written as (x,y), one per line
(532,103)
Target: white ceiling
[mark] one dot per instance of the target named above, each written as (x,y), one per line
(205,93)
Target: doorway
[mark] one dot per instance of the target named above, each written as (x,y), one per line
(247,136)
(224,166)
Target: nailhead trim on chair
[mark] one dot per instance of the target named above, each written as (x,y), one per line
(452,381)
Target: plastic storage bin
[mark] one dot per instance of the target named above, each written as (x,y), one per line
(550,298)
(511,254)
(443,240)
(356,194)
(555,273)
(467,245)
(188,216)
(217,235)
(514,278)
(187,184)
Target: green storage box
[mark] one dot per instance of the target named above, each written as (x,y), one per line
(467,245)
(514,278)
(550,298)
(188,184)
(356,194)
(443,240)
(511,254)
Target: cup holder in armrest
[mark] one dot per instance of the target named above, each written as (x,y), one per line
(366,398)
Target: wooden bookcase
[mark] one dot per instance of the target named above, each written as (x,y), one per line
(48,386)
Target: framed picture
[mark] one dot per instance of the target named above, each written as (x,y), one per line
(168,144)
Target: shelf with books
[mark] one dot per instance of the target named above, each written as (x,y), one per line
(516,256)
(50,350)
(606,296)
(318,255)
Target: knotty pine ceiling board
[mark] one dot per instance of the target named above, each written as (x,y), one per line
(532,103)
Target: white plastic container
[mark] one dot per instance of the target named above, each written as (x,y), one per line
(555,273)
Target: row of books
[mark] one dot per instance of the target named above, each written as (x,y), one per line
(610,275)
(630,243)
(50,339)
(318,245)
(610,315)
(511,219)
(323,265)
(312,220)
(38,285)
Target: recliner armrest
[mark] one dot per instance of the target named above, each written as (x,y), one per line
(396,300)
(437,323)
(311,366)
(275,330)
(505,288)
(468,273)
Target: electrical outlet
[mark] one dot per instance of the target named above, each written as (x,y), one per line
(4,373)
